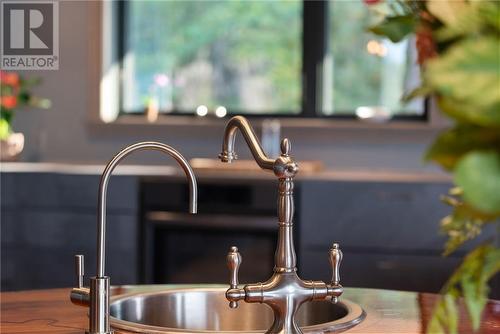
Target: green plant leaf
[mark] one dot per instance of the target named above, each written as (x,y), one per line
(469,280)
(475,300)
(38,102)
(489,11)
(464,223)
(4,129)
(445,316)
(451,145)
(28,83)
(396,28)
(478,174)
(480,17)
(447,12)
(452,313)
(23,97)
(7,115)
(465,112)
(482,266)
(421,91)
(459,228)
(468,72)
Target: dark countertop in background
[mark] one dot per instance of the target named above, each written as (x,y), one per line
(174,171)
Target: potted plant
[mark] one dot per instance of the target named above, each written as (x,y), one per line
(458,44)
(15,93)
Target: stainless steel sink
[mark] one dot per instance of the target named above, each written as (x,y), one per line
(206,310)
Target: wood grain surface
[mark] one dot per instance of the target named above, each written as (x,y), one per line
(50,311)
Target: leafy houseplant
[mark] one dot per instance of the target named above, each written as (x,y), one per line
(15,93)
(458,43)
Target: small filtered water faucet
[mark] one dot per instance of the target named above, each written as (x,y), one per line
(97,296)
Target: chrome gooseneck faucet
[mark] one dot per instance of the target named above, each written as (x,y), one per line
(285,291)
(97,297)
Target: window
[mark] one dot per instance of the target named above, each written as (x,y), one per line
(278,58)
(243,55)
(366,70)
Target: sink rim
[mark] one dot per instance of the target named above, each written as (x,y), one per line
(355,314)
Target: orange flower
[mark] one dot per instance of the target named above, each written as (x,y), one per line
(8,102)
(10,79)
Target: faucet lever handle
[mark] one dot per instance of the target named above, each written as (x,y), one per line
(79,270)
(233,263)
(335,260)
(335,289)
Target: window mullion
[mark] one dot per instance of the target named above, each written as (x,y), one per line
(314,48)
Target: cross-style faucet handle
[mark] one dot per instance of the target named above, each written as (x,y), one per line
(79,270)
(335,260)
(233,263)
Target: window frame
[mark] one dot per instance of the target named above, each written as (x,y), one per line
(315,45)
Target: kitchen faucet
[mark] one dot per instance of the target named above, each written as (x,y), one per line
(285,291)
(97,296)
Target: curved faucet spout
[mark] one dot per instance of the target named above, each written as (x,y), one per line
(101,220)
(228,154)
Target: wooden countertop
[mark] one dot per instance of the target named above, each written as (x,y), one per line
(50,311)
(228,172)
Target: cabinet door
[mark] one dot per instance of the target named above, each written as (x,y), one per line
(47,218)
(38,248)
(398,216)
(383,271)
(59,192)
(389,232)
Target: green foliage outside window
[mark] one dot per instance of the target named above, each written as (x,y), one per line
(247,56)
(235,40)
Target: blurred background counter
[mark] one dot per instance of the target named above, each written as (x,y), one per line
(386,222)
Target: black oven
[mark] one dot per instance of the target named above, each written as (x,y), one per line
(178,247)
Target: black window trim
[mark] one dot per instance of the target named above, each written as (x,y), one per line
(315,27)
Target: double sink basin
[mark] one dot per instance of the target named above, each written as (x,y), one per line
(194,309)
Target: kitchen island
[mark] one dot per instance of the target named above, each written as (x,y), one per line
(399,211)
(50,311)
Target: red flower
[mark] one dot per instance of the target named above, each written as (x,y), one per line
(10,79)
(371,2)
(8,102)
